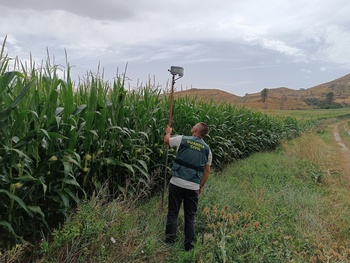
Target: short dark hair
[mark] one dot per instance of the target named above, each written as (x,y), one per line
(203,129)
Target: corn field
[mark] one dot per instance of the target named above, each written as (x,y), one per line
(61,141)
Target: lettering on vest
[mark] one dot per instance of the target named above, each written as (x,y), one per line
(195,145)
(193,154)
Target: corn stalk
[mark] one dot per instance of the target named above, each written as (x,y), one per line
(61,141)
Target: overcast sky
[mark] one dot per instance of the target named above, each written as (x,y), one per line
(239,46)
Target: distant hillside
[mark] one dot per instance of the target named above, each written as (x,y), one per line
(280,98)
(208,95)
(340,87)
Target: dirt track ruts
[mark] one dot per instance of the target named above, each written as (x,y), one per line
(345,151)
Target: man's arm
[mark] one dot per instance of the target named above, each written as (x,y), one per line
(168,131)
(205,177)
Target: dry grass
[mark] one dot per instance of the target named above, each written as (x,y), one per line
(344,130)
(15,254)
(327,156)
(278,98)
(311,147)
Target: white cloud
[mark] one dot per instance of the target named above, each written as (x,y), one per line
(305,71)
(336,46)
(274,44)
(252,35)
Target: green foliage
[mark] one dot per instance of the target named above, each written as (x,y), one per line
(323,104)
(238,237)
(313,115)
(80,235)
(101,231)
(264,94)
(329,97)
(61,141)
(265,208)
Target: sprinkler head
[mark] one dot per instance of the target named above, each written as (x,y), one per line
(177,71)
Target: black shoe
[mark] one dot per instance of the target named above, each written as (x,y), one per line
(188,249)
(189,245)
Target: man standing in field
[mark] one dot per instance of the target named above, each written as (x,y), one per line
(190,171)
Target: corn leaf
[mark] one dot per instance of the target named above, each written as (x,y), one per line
(18,200)
(37,210)
(10,229)
(4,114)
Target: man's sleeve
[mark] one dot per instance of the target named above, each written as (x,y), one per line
(210,158)
(175,141)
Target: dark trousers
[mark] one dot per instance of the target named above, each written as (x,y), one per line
(190,199)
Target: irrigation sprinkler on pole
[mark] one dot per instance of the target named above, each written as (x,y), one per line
(180,72)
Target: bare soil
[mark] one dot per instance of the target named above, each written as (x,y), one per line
(345,151)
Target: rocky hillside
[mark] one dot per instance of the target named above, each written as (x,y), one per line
(280,98)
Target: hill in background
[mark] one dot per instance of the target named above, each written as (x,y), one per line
(282,97)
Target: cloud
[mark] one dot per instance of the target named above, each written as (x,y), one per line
(99,10)
(254,67)
(219,42)
(274,44)
(11,40)
(305,71)
(335,49)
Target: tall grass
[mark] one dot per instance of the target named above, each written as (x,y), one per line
(61,141)
(265,208)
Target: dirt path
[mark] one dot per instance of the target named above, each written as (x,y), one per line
(345,151)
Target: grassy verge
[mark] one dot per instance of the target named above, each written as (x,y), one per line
(295,200)
(311,113)
(289,205)
(344,132)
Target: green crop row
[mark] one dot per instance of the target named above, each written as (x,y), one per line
(61,141)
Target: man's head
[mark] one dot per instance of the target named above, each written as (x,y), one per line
(200,129)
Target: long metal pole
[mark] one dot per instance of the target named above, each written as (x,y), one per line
(167,148)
